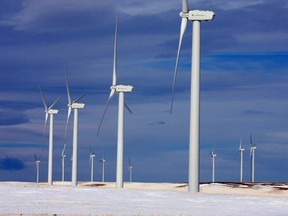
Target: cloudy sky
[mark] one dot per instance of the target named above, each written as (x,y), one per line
(244,86)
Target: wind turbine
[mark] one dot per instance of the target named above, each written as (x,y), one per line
(37,163)
(49,111)
(63,155)
(120,89)
(92,156)
(130,170)
(196,16)
(252,158)
(75,106)
(213,165)
(241,150)
(103,168)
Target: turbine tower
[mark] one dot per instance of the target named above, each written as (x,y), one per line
(75,106)
(241,150)
(37,163)
(103,168)
(49,112)
(252,158)
(120,90)
(196,16)
(130,170)
(63,155)
(213,165)
(92,156)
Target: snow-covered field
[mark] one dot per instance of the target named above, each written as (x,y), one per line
(143,199)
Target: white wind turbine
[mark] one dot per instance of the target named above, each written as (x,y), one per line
(120,89)
(37,163)
(63,155)
(252,158)
(213,165)
(92,156)
(130,170)
(196,16)
(49,111)
(103,168)
(241,150)
(75,106)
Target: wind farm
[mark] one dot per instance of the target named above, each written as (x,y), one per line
(229,81)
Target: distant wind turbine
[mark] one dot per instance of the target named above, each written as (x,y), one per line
(37,163)
(213,165)
(103,167)
(252,158)
(130,170)
(241,150)
(49,111)
(92,156)
(63,155)
(196,16)
(75,106)
(120,89)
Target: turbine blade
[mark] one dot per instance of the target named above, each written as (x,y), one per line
(106,107)
(185,6)
(35,156)
(67,87)
(67,122)
(114,78)
(240,146)
(43,99)
(127,107)
(251,143)
(182,32)
(77,99)
(63,151)
(54,102)
(46,120)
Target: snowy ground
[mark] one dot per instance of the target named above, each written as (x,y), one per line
(143,199)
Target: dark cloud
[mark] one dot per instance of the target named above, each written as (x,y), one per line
(11,164)
(12,117)
(255,112)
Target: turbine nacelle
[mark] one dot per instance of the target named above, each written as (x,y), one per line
(212,154)
(198,15)
(122,88)
(52,111)
(201,15)
(77,105)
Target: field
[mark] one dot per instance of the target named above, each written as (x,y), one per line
(22,198)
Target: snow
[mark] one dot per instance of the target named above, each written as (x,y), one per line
(141,199)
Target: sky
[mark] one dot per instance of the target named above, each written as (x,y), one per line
(244,87)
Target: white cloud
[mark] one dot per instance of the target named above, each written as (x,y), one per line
(37,14)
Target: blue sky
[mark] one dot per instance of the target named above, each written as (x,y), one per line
(244,86)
